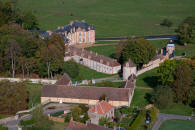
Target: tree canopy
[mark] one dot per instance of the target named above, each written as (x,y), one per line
(140,51)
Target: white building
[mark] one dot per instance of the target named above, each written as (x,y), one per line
(129,68)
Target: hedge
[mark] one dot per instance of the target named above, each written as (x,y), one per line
(154,114)
(138,121)
(3,128)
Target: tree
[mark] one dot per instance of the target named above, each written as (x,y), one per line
(166,22)
(162,97)
(13,97)
(186,30)
(71,68)
(182,82)
(41,120)
(30,21)
(104,121)
(13,51)
(140,51)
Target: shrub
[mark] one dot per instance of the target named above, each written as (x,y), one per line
(3,128)
(27,122)
(67,118)
(154,114)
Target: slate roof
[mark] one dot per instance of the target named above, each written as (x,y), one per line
(64,80)
(73,125)
(130,63)
(92,56)
(93,93)
(101,107)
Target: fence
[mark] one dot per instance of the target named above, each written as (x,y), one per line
(147,69)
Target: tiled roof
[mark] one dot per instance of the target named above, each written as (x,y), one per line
(73,125)
(92,56)
(101,107)
(93,93)
(64,80)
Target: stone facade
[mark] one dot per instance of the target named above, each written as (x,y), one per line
(77,32)
(129,68)
(170,48)
(92,60)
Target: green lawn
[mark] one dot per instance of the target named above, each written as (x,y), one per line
(139,98)
(158,44)
(189,49)
(147,79)
(178,125)
(106,42)
(112,18)
(86,73)
(108,50)
(179,109)
(34,91)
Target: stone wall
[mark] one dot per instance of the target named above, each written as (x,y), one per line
(8,119)
(43,81)
(83,101)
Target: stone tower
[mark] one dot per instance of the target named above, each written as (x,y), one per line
(129,68)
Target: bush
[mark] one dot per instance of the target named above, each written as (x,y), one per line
(3,128)
(27,122)
(166,22)
(154,114)
(71,68)
(67,118)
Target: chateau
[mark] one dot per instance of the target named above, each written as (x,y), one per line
(77,32)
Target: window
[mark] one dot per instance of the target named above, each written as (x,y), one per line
(80,34)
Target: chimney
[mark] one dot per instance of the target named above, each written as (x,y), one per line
(127,64)
(101,60)
(96,54)
(161,52)
(71,23)
(49,32)
(82,54)
(90,52)
(108,63)
(89,57)
(59,27)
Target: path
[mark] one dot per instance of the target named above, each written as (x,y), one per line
(164,117)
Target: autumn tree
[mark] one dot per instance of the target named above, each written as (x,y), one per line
(13,97)
(140,51)
(30,21)
(182,83)
(13,51)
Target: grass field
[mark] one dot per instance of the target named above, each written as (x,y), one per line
(179,109)
(108,51)
(178,125)
(112,18)
(86,73)
(189,49)
(34,91)
(139,98)
(147,79)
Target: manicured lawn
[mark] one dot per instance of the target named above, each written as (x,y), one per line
(34,91)
(179,109)
(86,73)
(189,49)
(112,18)
(178,125)
(106,42)
(158,44)
(114,85)
(108,51)
(147,79)
(139,98)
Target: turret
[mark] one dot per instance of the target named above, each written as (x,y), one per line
(129,68)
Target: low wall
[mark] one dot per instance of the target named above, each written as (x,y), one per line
(56,119)
(147,69)
(43,81)
(8,119)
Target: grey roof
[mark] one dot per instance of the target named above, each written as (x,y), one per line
(64,80)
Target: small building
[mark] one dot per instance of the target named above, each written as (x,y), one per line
(77,32)
(73,125)
(129,68)
(64,80)
(99,110)
(170,48)
(92,60)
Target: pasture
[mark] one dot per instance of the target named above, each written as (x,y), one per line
(112,18)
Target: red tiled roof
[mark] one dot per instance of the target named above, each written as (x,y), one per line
(101,107)
(64,80)
(93,93)
(73,125)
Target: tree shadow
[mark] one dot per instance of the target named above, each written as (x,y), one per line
(151,81)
